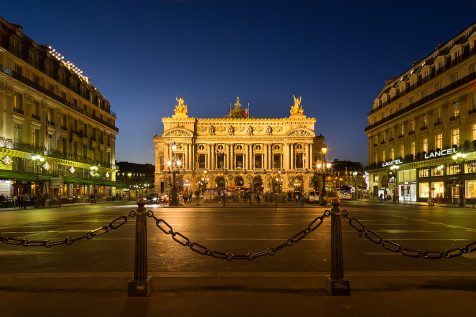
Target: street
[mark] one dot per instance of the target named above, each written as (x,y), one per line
(237,231)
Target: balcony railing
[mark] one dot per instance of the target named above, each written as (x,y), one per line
(18,110)
(36,117)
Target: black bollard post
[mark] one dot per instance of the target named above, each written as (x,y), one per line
(336,285)
(141,286)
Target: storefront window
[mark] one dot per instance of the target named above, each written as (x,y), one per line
(470,167)
(452,169)
(437,170)
(470,189)
(423,172)
(438,189)
(424,190)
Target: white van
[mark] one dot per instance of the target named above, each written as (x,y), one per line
(313,197)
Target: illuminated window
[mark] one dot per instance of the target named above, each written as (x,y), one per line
(473,131)
(439,141)
(455,109)
(402,150)
(412,148)
(423,172)
(392,154)
(424,144)
(424,190)
(454,136)
(383,156)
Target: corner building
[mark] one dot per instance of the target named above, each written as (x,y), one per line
(422,127)
(49,109)
(238,152)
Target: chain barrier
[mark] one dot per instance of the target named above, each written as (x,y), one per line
(113,225)
(203,250)
(397,248)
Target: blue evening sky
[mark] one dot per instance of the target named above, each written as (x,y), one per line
(335,54)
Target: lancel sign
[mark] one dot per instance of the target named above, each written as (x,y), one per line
(445,152)
(390,163)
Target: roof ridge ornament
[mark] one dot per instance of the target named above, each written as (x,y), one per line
(180,109)
(297,109)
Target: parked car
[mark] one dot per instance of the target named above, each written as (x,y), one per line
(312,197)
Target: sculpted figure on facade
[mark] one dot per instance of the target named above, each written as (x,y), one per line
(249,130)
(231,130)
(181,108)
(296,109)
(211,130)
(269,130)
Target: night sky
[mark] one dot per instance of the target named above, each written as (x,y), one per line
(143,54)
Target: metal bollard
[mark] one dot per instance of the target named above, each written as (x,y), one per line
(336,285)
(141,286)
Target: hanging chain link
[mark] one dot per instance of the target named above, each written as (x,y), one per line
(203,250)
(397,248)
(113,225)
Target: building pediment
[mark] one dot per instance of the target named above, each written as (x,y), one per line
(178,132)
(302,132)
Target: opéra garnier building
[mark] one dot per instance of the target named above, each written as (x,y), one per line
(422,128)
(237,151)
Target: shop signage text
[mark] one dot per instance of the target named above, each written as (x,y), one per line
(390,163)
(445,152)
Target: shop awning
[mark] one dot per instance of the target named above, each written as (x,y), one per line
(109,183)
(23,176)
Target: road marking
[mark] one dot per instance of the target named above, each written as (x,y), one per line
(447,225)
(23,252)
(392,231)
(381,253)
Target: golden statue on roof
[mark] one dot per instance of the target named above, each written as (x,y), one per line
(180,108)
(296,109)
(238,112)
(237,103)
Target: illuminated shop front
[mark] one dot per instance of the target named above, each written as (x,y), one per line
(444,178)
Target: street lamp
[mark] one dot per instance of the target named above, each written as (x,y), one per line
(460,157)
(355,184)
(174,166)
(279,182)
(322,168)
(93,171)
(37,159)
(394,169)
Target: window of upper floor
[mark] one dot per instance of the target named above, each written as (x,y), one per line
(455,109)
(456,52)
(453,77)
(424,120)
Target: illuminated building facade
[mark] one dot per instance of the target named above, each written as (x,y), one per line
(238,152)
(422,127)
(57,132)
